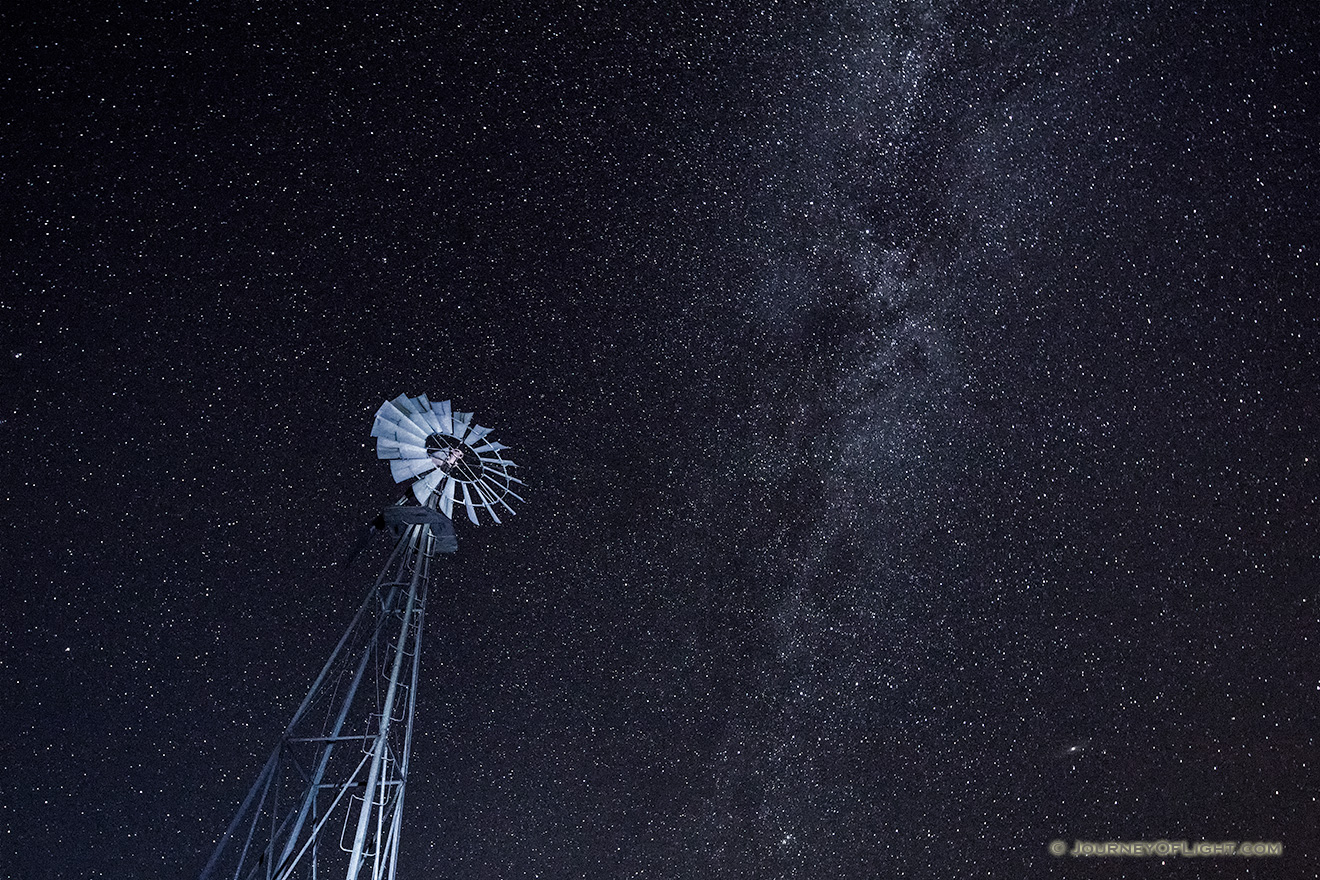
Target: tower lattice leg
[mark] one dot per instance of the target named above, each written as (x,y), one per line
(329,800)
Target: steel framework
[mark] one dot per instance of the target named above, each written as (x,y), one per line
(329,801)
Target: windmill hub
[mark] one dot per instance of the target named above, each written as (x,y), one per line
(451,454)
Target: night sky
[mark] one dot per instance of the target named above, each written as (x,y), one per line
(918,404)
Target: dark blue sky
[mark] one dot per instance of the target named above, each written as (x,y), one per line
(917,402)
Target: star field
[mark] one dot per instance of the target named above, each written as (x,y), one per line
(917,403)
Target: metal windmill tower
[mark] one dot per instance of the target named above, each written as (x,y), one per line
(329,801)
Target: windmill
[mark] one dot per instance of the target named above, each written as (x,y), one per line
(329,800)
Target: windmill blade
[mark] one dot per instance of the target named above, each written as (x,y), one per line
(505,476)
(466,498)
(411,418)
(497,460)
(420,492)
(485,497)
(461,421)
(425,487)
(386,448)
(392,416)
(475,434)
(424,416)
(405,403)
(403,469)
(420,423)
(429,417)
(487,503)
(444,413)
(400,437)
(386,428)
(391,412)
(488,447)
(447,499)
(489,487)
(498,494)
